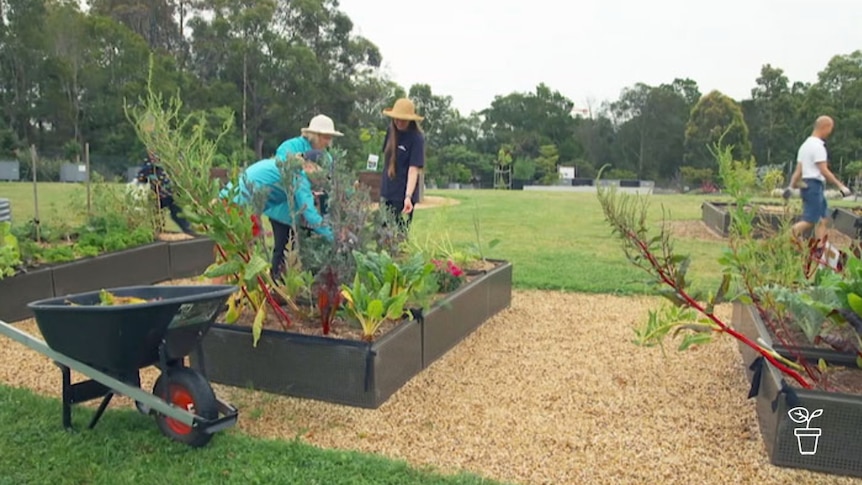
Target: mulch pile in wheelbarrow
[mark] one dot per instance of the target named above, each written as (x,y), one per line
(550,391)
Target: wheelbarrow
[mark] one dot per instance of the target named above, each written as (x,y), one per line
(110,344)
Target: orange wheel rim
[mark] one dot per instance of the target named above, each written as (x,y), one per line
(181,398)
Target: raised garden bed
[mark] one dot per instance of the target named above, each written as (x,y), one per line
(463,311)
(716,216)
(190,257)
(831,441)
(352,372)
(848,221)
(142,265)
(748,322)
(16,292)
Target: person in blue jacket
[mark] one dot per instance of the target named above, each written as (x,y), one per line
(404,156)
(266,175)
(315,138)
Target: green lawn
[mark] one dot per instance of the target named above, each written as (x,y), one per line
(57,201)
(126,447)
(560,241)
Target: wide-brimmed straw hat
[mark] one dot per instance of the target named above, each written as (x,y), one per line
(404,109)
(322,125)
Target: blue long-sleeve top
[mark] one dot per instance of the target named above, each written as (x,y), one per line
(266,174)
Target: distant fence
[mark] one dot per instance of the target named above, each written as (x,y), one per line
(55,166)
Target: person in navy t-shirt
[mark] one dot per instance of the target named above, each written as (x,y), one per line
(404,159)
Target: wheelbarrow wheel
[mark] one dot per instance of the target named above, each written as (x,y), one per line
(192,392)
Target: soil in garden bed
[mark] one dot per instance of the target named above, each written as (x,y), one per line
(478,268)
(837,378)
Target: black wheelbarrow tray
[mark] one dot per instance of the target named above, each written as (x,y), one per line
(110,344)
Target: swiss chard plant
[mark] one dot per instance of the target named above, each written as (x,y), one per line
(371,306)
(412,275)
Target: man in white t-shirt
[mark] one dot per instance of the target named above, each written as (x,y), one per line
(812,167)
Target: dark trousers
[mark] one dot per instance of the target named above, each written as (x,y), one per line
(175,213)
(282,234)
(395,209)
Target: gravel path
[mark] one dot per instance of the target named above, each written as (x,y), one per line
(549,392)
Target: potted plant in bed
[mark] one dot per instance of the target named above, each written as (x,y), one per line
(782,293)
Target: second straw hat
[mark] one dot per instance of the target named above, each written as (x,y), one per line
(404,109)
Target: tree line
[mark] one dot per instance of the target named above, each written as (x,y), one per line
(66,74)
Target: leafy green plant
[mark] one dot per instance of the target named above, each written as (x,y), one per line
(809,307)
(317,269)
(829,310)
(773,179)
(10,256)
(443,248)
(413,276)
(673,319)
(372,141)
(371,307)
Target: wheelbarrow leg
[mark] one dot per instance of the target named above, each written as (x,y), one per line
(104,404)
(67,396)
(84,391)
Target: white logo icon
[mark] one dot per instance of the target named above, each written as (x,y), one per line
(807,437)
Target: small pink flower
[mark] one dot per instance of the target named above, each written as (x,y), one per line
(455,270)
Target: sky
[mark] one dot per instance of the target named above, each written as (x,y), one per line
(590,50)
